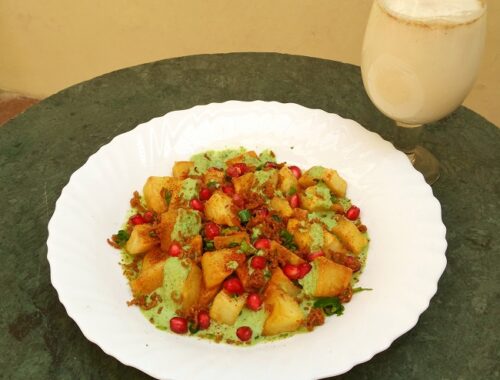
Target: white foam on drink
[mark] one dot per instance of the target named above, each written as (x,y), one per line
(447,11)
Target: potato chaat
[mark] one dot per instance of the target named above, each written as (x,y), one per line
(239,248)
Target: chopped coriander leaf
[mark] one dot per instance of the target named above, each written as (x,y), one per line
(152,234)
(209,245)
(246,248)
(168,196)
(277,218)
(193,328)
(256,232)
(121,238)
(330,305)
(359,289)
(212,184)
(244,216)
(292,191)
(287,240)
(233,244)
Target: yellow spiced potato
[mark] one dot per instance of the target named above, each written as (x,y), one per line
(141,240)
(282,207)
(240,248)
(329,177)
(158,192)
(219,209)
(217,265)
(226,307)
(350,236)
(230,241)
(181,169)
(149,279)
(327,278)
(285,314)
(288,183)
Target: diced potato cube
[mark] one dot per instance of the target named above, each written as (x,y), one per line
(226,308)
(196,246)
(229,241)
(287,181)
(181,169)
(285,314)
(350,236)
(282,207)
(316,198)
(149,279)
(300,231)
(140,241)
(266,181)
(192,287)
(247,157)
(215,265)
(243,184)
(154,192)
(207,295)
(219,209)
(285,254)
(167,223)
(332,244)
(331,278)
(244,275)
(152,257)
(213,175)
(300,214)
(280,281)
(336,183)
(329,176)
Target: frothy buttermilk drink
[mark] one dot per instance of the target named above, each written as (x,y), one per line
(420,57)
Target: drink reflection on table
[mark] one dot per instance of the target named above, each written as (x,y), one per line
(419,61)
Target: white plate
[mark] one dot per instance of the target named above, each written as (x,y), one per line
(405,260)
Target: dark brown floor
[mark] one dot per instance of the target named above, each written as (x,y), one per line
(12,105)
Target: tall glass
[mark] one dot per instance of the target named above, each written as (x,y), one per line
(419,61)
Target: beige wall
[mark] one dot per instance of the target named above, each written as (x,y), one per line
(48,45)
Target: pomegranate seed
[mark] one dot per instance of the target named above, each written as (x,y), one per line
(179,325)
(271,165)
(352,213)
(243,168)
(175,250)
(233,286)
(244,333)
(304,269)
(296,171)
(148,216)
(262,244)
(294,201)
(263,212)
(238,200)
(205,193)
(291,271)
(137,219)
(258,262)
(228,189)
(314,255)
(211,230)
(254,301)
(196,204)
(233,171)
(203,320)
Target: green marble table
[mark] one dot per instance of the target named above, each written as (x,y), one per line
(458,337)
